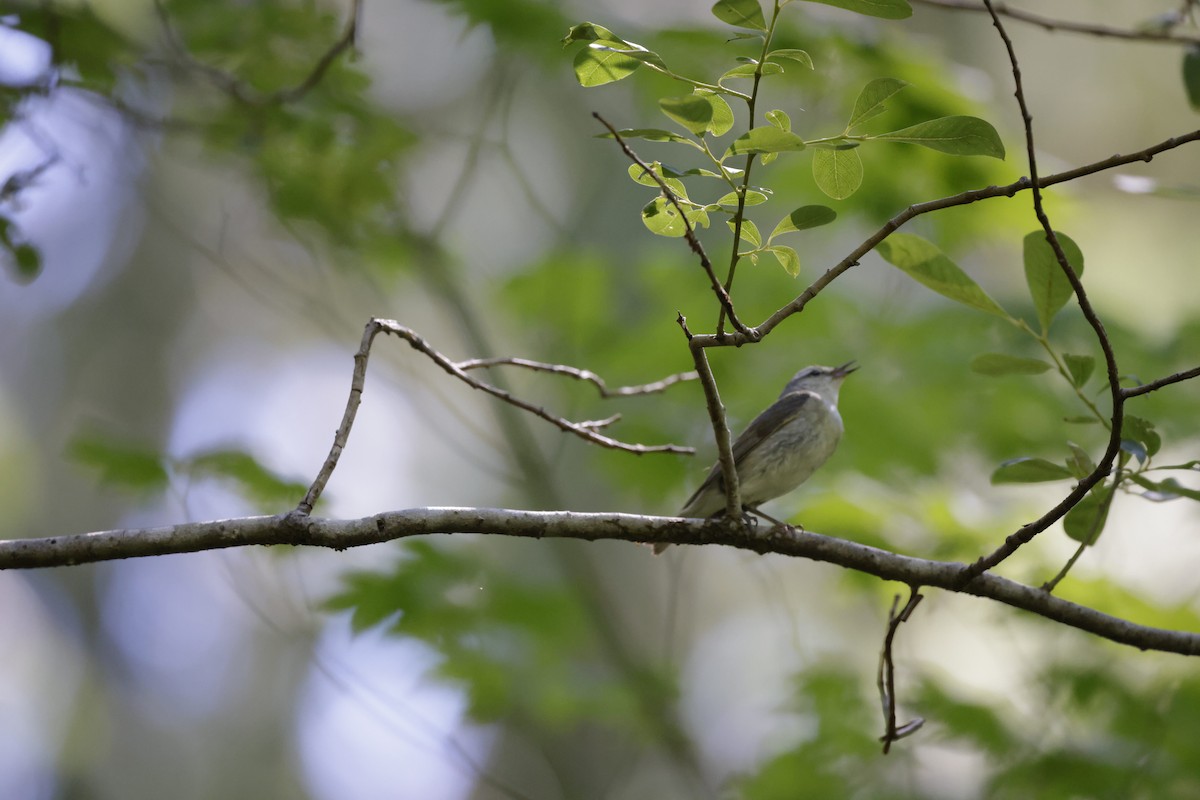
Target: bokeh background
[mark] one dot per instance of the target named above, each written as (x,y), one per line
(181,350)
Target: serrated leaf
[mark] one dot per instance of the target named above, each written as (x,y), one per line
(789,54)
(264,487)
(1048,284)
(596,65)
(804,218)
(1142,430)
(925,263)
(996,364)
(779,119)
(1029,470)
(1080,368)
(958,135)
(1191,75)
(740,14)
(121,464)
(1080,463)
(884,9)
(871,100)
(765,139)
(591,32)
(693,112)
(787,257)
(753,198)
(837,173)
(1085,522)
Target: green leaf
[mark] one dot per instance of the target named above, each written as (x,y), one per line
(798,56)
(1142,431)
(748,71)
(722,114)
(264,487)
(885,9)
(787,258)
(591,32)
(1080,463)
(753,198)
(838,173)
(749,231)
(640,175)
(779,119)
(925,263)
(958,135)
(649,134)
(1082,419)
(1085,522)
(120,464)
(804,218)
(765,139)
(740,14)
(871,99)
(1029,470)
(1160,491)
(1048,284)
(596,65)
(661,217)
(28,260)
(1080,367)
(692,112)
(996,364)
(1191,75)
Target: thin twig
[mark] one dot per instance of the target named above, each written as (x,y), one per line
(917,209)
(1153,386)
(886,677)
(1027,532)
(1087,541)
(688,232)
(1050,24)
(243,92)
(585,430)
(581,374)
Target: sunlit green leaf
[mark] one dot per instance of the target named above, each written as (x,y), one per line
(885,9)
(740,14)
(748,71)
(779,119)
(643,177)
(788,54)
(749,231)
(596,65)
(996,364)
(925,263)
(1029,470)
(1048,284)
(804,218)
(787,258)
(871,100)
(649,134)
(722,115)
(753,198)
(766,139)
(661,217)
(692,112)
(958,135)
(838,173)
(591,32)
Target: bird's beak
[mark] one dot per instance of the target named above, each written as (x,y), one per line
(844,369)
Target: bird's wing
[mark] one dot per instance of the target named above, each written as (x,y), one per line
(762,426)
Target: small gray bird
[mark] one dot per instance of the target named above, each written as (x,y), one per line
(782,447)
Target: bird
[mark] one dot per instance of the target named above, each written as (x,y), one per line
(782,447)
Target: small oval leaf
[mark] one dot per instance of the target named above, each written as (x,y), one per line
(870,102)
(1048,284)
(740,14)
(1029,470)
(996,364)
(838,173)
(804,218)
(925,263)
(958,135)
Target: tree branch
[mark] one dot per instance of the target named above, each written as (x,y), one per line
(1166,36)
(299,530)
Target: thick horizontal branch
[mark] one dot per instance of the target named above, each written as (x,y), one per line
(300,530)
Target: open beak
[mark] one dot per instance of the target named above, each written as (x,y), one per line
(844,369)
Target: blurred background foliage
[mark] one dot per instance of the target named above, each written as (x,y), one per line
(196,227)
